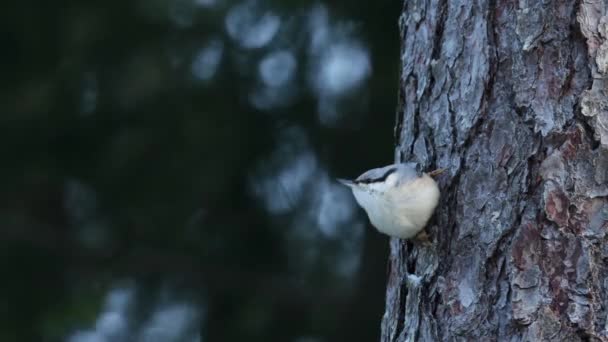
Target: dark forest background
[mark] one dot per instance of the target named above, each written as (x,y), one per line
(168,169)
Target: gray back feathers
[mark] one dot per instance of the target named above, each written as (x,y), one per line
(406,172)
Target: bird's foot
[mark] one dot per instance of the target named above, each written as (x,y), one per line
(436,172)
(424,238)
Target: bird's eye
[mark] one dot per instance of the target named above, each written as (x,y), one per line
(371,180)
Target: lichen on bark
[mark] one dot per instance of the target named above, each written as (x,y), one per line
(593,21)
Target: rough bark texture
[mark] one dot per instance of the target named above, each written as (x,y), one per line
(511,98)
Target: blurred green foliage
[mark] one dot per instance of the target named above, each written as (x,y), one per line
(119,165)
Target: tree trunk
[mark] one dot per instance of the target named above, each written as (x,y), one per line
(510,98)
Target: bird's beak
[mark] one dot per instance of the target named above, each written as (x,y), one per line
(346,182)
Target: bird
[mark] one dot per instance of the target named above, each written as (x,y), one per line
(399,199)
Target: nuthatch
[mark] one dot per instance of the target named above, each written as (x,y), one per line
(399,199)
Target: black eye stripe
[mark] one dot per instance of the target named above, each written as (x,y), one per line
(379,179)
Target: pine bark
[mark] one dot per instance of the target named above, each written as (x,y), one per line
(511,98)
